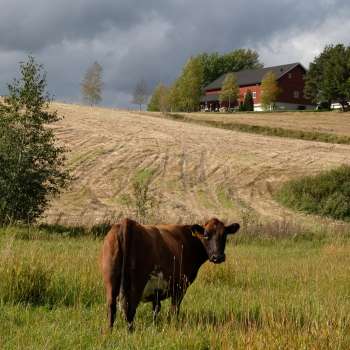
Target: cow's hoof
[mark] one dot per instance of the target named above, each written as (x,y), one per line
(131,327)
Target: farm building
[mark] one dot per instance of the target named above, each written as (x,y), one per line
(290,78)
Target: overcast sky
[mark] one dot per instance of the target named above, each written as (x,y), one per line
(151,39)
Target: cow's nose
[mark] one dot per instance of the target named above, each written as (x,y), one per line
(218,258)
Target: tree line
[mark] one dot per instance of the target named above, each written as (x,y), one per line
(327,81)
(185,92)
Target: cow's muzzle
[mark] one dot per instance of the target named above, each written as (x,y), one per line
(217,259)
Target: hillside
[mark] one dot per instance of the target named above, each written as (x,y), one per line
(198,171)
(325,122)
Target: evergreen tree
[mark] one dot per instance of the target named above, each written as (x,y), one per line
(91,86)
(248,101)
(31,163)
(230,90)
(269,91)
(328,78)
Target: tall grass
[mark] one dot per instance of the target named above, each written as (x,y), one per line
(48,271)
(326,194)
(288,294)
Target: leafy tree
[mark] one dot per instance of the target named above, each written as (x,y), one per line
(160,99)
(164,101)
(174,96)
(230,90)
(190,84)
(92,84)
(214,64)
(269,90)
(31,162)
(328,78)
(187,90)
(140,94)
(248,104)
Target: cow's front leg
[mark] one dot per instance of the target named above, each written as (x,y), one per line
(129,315)
(175,304)
(156,306)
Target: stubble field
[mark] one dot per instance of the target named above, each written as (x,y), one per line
(198,171)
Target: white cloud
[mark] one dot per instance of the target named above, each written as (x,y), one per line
(152,39)
(304,46)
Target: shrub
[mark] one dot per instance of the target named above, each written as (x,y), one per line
(140,200)
(248,101)
(326,194)
(30,160)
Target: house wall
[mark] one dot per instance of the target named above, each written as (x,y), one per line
(253,88)
(291,82)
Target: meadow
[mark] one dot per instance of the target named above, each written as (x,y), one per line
(285,283)
(271,293)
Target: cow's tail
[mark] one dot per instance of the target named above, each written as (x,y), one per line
(125,244)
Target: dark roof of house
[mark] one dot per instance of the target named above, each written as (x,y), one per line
(253,76)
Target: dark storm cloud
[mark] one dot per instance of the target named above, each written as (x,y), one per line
(152,39)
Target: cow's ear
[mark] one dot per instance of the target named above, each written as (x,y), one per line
(197,230)
(231,229)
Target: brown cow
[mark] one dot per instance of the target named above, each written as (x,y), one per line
(152,263)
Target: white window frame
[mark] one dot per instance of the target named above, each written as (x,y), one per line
(296,94)
(254,95)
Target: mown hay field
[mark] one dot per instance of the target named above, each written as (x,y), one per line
(198,171)
(334,122)
(269,294)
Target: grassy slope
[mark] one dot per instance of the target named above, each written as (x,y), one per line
(263,128)
(271,294)
(323,122)
(199,171)
(327,194)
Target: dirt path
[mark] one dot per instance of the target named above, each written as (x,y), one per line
(199,171)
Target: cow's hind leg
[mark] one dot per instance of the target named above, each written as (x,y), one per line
(111,304)
(130,302)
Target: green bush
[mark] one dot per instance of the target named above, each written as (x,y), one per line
(326,194)
(31,162)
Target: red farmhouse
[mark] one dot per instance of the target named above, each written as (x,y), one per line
(290,78)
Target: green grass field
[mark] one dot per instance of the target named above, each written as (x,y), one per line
(291,293)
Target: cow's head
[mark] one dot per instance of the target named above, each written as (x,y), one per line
(213,236)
